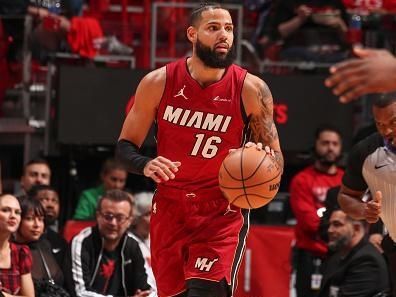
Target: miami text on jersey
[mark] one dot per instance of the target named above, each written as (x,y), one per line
(196,119)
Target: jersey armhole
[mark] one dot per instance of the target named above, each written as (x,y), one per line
(244,115)
(163,94)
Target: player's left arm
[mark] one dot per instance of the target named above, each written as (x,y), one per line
(259,107)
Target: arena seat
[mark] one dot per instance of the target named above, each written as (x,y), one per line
(73,227)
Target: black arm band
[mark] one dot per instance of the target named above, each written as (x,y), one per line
(128,153)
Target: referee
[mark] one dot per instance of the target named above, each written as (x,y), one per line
(372,166)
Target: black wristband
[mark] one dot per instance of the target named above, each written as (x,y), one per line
(128,153)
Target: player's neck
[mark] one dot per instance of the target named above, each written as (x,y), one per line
(204,75)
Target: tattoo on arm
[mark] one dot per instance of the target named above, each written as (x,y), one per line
(262,124)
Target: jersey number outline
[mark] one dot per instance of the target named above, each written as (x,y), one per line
(209,149)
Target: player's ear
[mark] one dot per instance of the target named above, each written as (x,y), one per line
(192,34)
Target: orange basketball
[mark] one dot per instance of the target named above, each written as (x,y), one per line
(249,178)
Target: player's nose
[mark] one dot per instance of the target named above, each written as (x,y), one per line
(223,34)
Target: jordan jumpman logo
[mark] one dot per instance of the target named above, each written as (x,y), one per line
(181,93)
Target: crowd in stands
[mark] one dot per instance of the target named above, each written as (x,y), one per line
(110,257)
(322,31)
(289,30)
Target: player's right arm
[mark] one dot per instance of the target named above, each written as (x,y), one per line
(351,202)
(259,107)
(136,126)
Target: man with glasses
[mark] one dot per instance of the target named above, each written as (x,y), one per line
(106,260)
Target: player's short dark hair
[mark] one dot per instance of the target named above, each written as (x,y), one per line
(384,100)
(116,196)
(326,127)
(196,14)
(34,162)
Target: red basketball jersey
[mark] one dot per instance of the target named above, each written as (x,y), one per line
(197,126)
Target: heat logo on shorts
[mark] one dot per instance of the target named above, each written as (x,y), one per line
(205,264)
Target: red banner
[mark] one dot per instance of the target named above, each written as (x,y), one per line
(265,270)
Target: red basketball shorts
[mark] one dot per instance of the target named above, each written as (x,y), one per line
(195,236)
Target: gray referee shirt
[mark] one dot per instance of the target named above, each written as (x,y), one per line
(372,165)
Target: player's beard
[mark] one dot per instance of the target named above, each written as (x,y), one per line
(212,59)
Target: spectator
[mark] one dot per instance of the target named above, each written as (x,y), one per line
(106,260)
(14,24)
(35,172)
(307,195)
(310,30)
(356,268)
(83,34)
(16,260)
(113,176)
(141,230)
(262,8)
(29,232)
(49,199)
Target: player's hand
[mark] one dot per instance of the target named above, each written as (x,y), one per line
(259,146)
(376,240)
(140,293)
(372,209)
(161,169)
(372,72)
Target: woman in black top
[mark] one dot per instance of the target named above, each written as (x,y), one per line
(31,228)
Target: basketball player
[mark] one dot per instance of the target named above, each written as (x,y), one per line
(372,165)
(203,106)
(374,72)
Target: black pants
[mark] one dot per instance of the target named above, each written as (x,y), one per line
(389,248)
(303,263)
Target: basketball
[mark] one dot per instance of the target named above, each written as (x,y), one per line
(249,178)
